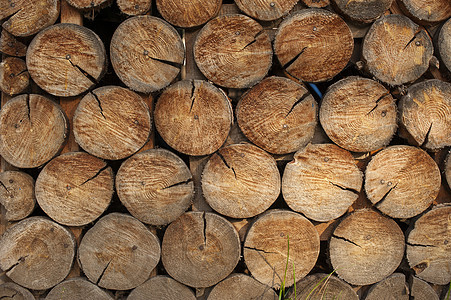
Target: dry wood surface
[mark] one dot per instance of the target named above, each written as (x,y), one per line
(14,77)
(12,290)
(426,11)
(10,45)
(188,13)
(77,288)
(363,11)
(17,194)
(266,10)
(134,7)
(162,288)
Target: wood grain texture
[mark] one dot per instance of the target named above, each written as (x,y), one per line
(364,11)
(32,130)
(426,12)
(10,45)
(313,45)
(15,291)
(70,14)
(188,13)
(396,50)
(266,10)
(66,59)
(14,77)
(134,7)
(392,287)
(77,288)
(193,117)
(358,114)
(87,4)
(278,115)
(316,3)
(321,182)
(146,53)
(428,246)
(425,112)
(200,249)
(366,247)
(118,252)
(266,248)
(17,194)
(233,51)
(443,46)
(162,288)
(421,290)
(448,169)
(402,181)
(37,253)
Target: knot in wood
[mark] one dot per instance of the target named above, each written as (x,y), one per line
(382,181)
(201,247)
(196,117)
(326,159)
(389,183)
(237,33)
(11,75)
(384,113)
(68,56)
(418,43)
(445,242)
(146,52)
(272,4)
(315,28)
(134,247)
(11,181)
(136,6)
(13,4)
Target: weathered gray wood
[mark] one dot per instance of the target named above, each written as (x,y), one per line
(134,7)
(11,46)
(243,287)
(392,287)
(266,10)
(316,3)
(421,290)
(448,169)
(17,194)
(444,44)
(10,290)
(426,12)
(88,4)
(188,13)
(162,288)
(364,11)
(14,77)
(77,289)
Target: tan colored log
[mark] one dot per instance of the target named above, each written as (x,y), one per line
(241,286)
(70,14)
(119,252)
(134,7)
(233,51)
(278,115)
(146,53)
(366,247)
(188,13)
(313,45)
(316,3)
(448,169)
(193,117)
(426,12)
(392,287)
(88,4)
(429,246)
(358,114)
(11,46)
(402,181)
(200,249)
(17,194)
(444,44)
(14,77)
(32,130)
(241,181)
(66,59)
(37,253)
(396,50)
(421,290)
(363,11)
(77,288)
(161,288)
(425,112)
(321,182)
(10,290)
(266,10)
(266,247)
(196,166)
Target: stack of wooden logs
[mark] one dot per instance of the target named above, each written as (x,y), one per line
(216,149)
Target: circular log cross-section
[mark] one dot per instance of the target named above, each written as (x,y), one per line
(193,117)
(118,252)
(241,181)
(366,247)
(392,287)
(429,246)
(266,247)
(14,77)
(321,182)
(17,194)
(363,11)
(112,122)
(200,249)
(10,290)
(425,112)
(146,53)
(77,288)
(396,50)
(32,130)
(402,181)
(233,51)
(278,115)
(188,13)
(420,289)
(241,286)
(37,253)
(316,3)
(448,169)
(88,4)
(66,59)
(11,46)
(75,188)
(266,10)
(358,114)
(444,44)
(426,12)
(155,186)
(313,45)
(162,288)
(134,7)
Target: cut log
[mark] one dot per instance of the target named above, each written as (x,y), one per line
(17,194)
(88,4)
(425,112)
(112,122)
(366,247)
(448,169)
(11,46)
(162,288)
(444,44)
(429,247)
(10,290)
(134,7)
(362,11)
(75,188)
(193,117)
(233,51)
(392,287)
(14,77)
(313,45)
(119,252)
(316,3)
(266,247)
(200,249)
(278,115)
(66,59)
(321,182)
(241,181)
(155,186)
(146,53)
(266,10)
(421,290)
(402,181)
(358,114)
(77,288)
(396,50)
(37,253)
(188,13)
(426,12)
(322,286)
(241,286)
(32,130)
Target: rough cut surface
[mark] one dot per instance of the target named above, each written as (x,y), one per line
(162,288)
(266,10)
(77,288)
(426,11)
(316,3)
(444,44)
(87,4)
(421,290)
(17,194)
(134,7)
(10,290)
(14,77)
(11,46)
(392,287)
(188,13)
(448,169)
(365,11)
